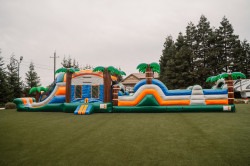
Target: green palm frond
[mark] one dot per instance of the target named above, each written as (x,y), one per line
(155,67)
(73,70)
(112,70)
(32,90)
(117,72)
(209,79)
(223,75)
(122,73)
(237,75)
(142,67)
(212,79)
(38,89)
(98,68)
(62,69)
(41,88)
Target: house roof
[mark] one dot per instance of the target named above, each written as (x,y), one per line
(138,77)
(143,75)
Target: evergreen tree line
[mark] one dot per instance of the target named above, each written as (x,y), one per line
(201,52)
(11,86)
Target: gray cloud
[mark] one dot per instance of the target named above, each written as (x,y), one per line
(107,32)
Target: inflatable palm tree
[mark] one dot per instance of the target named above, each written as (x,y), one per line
(122,73)
(229,77)
(37,91)
(212,79)
(69,72)
(149,69)
(107,72)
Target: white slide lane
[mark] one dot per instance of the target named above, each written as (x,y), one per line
(48,99)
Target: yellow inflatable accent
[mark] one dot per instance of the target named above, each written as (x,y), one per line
(64,78)
(82,109)
(157,97)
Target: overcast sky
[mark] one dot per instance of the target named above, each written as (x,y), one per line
(122,33)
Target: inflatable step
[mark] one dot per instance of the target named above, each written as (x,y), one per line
(89,110)
(83,109)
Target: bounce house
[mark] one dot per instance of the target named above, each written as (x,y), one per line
(98,91)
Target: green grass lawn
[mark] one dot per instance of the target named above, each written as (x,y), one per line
(50,138)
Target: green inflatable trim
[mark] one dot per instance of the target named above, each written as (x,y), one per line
(141,107)
(154,109)
(63,107)
(46,108)
(96,107)
(148,100)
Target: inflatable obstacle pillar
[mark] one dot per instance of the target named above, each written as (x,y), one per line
(230,87)
(116,89)
(107,85)
(149,75)
(68,86)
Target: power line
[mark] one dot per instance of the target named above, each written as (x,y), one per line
(44,68)
(39,67)
(36,64)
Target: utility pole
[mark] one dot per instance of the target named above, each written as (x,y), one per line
(18,70)
(55,64)
(18,67)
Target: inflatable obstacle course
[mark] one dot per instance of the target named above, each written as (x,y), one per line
(85,92)
(156,97)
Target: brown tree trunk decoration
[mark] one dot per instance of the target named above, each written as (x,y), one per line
(68,86)
(230,87)
(116,89)
(149,75)
(37,96)
(107,85)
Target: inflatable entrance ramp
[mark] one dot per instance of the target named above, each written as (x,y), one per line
(83,109)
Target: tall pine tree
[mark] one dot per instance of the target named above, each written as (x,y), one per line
(183,77)
(203,34)
(183,63)
(202,52)
(32,78)
(14,83)
(213,54)
(167,64)
(191,43)
(68,63)
(245,59)
(4,91)
(228,44)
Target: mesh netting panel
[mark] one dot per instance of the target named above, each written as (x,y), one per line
(78,91)
(95,92)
